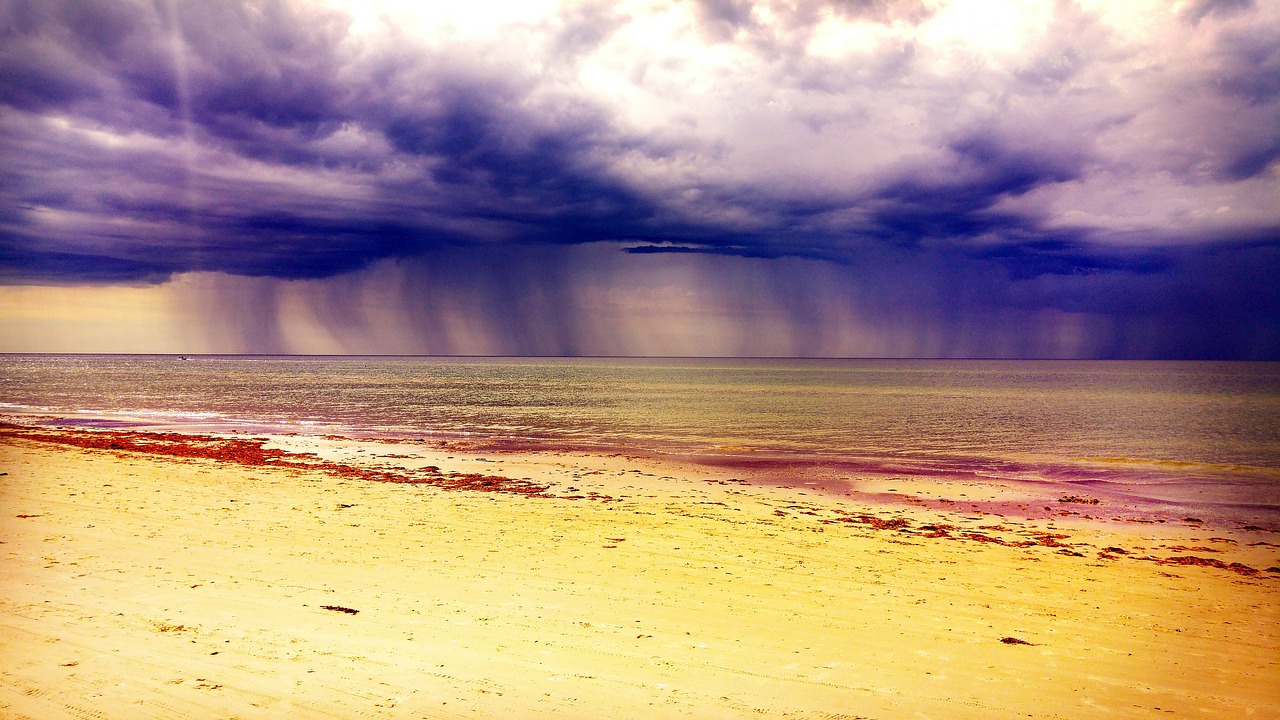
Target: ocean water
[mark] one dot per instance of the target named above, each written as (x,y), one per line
(1183,432)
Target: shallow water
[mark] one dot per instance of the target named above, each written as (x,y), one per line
(1182,432)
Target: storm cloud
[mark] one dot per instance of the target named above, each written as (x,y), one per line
(1051,178)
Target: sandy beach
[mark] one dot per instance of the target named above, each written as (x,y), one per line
(331,578)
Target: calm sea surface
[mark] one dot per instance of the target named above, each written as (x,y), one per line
(1130,422)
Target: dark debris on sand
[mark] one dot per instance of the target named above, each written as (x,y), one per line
(1015,641)
(339,608)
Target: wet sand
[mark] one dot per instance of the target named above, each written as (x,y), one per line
(173,576)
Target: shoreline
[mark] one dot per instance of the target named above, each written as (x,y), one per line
(215,572)
(1130,490)
(413,461)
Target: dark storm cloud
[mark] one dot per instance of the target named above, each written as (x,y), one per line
(949,206)
(262,83)
(498,167)
(1251,65)
(959,204)
(1248,69)
(273,82)
(281,139)
(56,268)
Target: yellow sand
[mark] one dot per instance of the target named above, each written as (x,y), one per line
(142,587)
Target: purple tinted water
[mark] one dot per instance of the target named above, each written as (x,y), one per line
(1162,430)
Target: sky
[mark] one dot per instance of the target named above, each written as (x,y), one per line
(855,178)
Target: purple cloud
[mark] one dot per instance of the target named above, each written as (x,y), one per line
(1070,155)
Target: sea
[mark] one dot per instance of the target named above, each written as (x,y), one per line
(1171,437)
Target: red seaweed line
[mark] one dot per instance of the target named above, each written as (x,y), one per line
(251,453)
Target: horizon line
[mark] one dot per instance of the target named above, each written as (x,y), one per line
(619,357)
